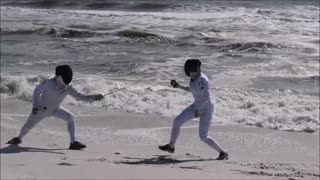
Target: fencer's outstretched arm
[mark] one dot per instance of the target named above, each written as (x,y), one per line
(84,97)
(175,84)
(185,88)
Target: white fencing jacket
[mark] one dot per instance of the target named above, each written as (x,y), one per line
(200,90)
(50,94)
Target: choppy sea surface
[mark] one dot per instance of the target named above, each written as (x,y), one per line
(262,57)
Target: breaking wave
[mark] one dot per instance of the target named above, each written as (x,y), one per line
(64,32)
(252,107)
(52,31)
(248,47)
(144,36)
(136,34)
(19,87)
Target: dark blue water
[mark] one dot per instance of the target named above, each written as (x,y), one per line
(153,5)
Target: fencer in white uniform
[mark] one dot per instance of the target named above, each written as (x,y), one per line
(202,107)
(47,99)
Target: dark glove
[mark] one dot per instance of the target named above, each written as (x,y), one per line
(98,97)
(34,111)
(174,83)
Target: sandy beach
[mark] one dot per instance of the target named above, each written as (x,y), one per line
(124,146)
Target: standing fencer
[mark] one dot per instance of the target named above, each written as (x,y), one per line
(47,99)
(202,107)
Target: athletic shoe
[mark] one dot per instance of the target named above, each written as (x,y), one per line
(167,148)
(77,146)
(223,156)
(15,140)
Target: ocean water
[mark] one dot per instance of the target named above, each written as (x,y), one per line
(262,57)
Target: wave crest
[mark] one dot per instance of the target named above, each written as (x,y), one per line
(135,34)
(20,87)
(144,36)
(248,47)
(66,32)
(52,31)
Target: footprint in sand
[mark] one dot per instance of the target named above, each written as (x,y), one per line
(191,167)
(63,158)
(98,159)
(192,156)
(65,164)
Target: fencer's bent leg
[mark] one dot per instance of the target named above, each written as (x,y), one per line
(183,117)
(66,115)
(205,121)
(33,119)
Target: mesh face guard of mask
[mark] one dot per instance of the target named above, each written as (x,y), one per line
(192,67)
(65,72)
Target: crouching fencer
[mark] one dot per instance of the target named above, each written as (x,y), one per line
(47,99)
(202,107)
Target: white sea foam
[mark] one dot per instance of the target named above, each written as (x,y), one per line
(283,110)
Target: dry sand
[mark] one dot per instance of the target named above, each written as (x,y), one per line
(124,146)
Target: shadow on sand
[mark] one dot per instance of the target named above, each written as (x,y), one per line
(17,149)
(158,160)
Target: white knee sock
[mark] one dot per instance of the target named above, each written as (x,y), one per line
(27,127)
(174,135)
(71,130)
(23,132)
(213,144)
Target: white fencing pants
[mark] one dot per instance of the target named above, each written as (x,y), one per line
(204,125)
(61,113)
